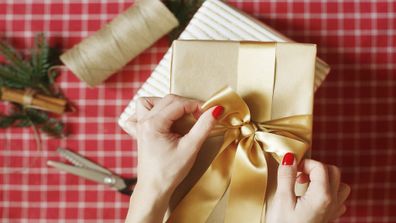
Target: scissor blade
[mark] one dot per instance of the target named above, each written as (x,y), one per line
(99,177)
(82,172)
(81,161)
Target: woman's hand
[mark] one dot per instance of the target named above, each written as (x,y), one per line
(322,202)
(164,157)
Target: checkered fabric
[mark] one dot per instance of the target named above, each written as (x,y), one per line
(353,121)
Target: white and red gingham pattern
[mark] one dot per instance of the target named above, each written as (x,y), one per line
(354,108)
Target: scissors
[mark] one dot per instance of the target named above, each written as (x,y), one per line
(91,171)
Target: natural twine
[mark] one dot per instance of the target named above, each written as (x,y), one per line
(95,58)
(28,96)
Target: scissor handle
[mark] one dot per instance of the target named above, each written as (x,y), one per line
(130,184)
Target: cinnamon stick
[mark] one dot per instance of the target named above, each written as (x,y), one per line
(58,101)
(39,101)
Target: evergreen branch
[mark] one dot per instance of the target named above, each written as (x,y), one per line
(34,73)
(53,127)
(21,67)
(16,119)
(52,75)
(10,78)
(37,117)
(183,10)
(9,120)
(40,56)
(31,117)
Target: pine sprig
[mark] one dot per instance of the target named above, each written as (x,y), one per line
(32,72)
(21,68)
(27,117)
(10,120)
(183,11)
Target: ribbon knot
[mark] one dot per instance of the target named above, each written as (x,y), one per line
(248,129)
(28,96)
(241,166)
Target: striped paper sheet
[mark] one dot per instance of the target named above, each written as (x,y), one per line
(215,20)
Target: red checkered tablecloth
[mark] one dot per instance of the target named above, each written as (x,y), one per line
(354,122)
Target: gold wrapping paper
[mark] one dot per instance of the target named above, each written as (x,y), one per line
(275,80)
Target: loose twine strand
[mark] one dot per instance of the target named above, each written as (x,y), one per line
(95,58)
(27,101)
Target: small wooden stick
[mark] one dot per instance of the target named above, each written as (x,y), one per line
(38,101)
(58,101)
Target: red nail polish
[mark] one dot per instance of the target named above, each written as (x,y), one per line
(288,159)
(218,111)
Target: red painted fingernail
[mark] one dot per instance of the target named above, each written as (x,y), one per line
(288,159)
(218,111)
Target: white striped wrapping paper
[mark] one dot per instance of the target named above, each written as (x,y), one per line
(215,20)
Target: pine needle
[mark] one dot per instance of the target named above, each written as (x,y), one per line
(34,73)
(19,72)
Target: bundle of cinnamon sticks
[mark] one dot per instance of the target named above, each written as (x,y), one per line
(38,101)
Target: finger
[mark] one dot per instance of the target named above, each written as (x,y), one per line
(318,175)
(144,105)
(287,174)
(201,129)
(175,111)
(341,211)
(131,125)
(343,193)
(302,183)
(334,178)
(164,102)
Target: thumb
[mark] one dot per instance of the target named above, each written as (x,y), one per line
(287,174)
(201,129)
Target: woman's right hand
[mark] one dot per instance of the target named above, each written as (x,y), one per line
(322,202)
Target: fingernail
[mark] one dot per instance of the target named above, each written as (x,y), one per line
(218,111)
(288,159)
(302,178)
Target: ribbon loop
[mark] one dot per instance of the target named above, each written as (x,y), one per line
(240,167)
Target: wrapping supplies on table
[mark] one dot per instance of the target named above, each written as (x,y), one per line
(102,54)
(268,112)
(215,20)
(32,99)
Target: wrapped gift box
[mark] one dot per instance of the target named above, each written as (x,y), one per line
(275,81)
(215,20)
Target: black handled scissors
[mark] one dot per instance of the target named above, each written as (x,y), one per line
(87,169)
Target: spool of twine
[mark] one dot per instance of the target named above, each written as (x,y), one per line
(97,57)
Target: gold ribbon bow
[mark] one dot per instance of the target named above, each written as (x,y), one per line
(241,165)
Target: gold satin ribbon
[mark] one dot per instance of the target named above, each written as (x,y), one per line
(241,164)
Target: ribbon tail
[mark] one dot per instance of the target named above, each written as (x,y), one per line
(279,145)
(248,184)
(201,200)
